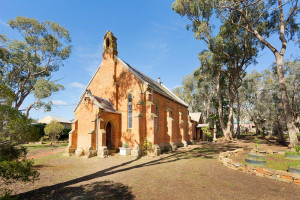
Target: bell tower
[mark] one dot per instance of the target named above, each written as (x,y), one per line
(110,43)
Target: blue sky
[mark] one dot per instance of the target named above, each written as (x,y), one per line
(151,37)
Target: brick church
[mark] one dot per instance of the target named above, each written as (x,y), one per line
(122,105)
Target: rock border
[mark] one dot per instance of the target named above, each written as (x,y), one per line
(225,159)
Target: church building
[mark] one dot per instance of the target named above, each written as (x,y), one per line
(122,105)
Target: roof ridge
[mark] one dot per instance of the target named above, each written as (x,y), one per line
(160,88)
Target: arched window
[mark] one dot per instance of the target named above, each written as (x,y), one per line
(156,119)
(107,42)
(130,111)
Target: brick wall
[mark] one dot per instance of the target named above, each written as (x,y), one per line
(116,89)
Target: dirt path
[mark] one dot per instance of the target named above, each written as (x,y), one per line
(189,173)
(50,152)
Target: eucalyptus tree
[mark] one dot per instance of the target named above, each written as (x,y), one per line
(262,18)
(26,63)
(231,50)
(261,100)
(292,68)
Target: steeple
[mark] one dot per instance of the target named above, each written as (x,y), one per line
(110,43)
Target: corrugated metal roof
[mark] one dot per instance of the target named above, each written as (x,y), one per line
(158,87)
(103,103)
(195,116)
(49,118)
(202,125)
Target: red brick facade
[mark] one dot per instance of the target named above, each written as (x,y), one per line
(115,81)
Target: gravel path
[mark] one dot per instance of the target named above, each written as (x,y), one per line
(189,173)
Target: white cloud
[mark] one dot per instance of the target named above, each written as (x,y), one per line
(2,22)
(77,85)
(59,102)
(89,57)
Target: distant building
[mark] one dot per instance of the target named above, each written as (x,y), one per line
(197,120)
(66,123)
(246,126)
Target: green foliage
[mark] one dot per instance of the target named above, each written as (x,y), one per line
(53,130)
(65,134)
(256,141)
(261,99)
(207,132)
(280,162)
(292,153)
(16,127)
(5,194)
(18,170)
(147,147)
(14,166)
(27,65)
(43,89)
(125,145)
(297,148)
(9,152)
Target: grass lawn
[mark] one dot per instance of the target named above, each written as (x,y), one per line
(280,162)
(31,147)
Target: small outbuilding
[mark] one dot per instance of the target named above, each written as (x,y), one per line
(66,123)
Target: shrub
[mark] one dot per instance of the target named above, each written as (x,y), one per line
(53,130)
(297,148)
(206,131)
(257,141)
(13,164)
(147,147)
(65,134)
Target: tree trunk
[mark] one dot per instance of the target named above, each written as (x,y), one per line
(285,102)
(259,128)
(238,131)
(228,131)
(207,111)
(280,132)
(220,109)
(29,108)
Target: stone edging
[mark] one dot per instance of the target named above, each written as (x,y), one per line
(225,159)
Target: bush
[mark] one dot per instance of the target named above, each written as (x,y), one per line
(9,152)
(40,127)
(125,145)
(53,130)
(14,166)
(147,147)
(297,148)
(206,131)
(65,134)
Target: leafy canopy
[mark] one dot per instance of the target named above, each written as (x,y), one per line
(32,61)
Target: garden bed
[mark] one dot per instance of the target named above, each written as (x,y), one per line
(276,167)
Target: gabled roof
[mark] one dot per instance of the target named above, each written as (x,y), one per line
(158,87)
(195,116)
(102,103)
(49,118)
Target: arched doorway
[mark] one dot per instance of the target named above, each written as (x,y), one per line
(108,135)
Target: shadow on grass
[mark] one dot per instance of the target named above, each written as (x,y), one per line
(206,151)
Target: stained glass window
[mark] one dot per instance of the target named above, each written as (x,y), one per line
(130,111)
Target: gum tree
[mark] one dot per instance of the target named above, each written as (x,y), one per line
(262,18)
(231,49)
(26,63)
